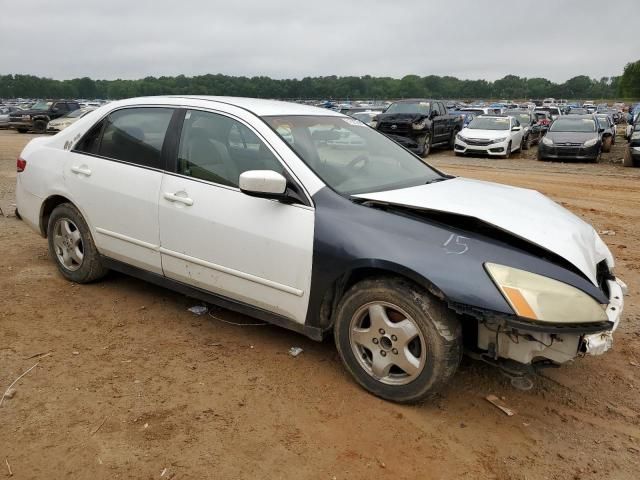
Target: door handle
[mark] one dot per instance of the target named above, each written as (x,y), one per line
(83,170)
(174,197)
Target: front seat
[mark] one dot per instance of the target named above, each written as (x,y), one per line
(209,159)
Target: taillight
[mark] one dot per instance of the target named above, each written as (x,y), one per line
(21,164)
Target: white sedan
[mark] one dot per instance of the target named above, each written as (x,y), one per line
(493,135)
(249,205)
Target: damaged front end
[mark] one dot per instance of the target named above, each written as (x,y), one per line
(409,130)
(534,343)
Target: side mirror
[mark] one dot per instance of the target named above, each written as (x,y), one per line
(55,109)
(433,114)
(516,129)
(263,184)
(601,130)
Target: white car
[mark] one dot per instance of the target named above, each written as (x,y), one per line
(67,120)
(493,135)
(242,203)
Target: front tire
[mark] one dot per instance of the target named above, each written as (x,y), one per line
(23,130)
(40,126)
(398,342)
(71,246)
(606,144)
(507,154)
(426,148)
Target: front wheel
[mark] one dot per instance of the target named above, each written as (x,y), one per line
(526,143)
(426,148)
(40,126)
(606,144)
(507,154)
(71,245)
(397,341)
(23,130)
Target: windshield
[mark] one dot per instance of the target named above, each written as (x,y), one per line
(573,125)
(489,123)
(523,117)
(406,107)
(42,106)
(350,157)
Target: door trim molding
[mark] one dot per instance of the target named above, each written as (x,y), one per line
(126,238)
(236,273)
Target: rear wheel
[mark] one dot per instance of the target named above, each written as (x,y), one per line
(397,341)
(452,140)
(71,245)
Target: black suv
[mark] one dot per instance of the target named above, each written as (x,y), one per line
(419,124)
(38,116)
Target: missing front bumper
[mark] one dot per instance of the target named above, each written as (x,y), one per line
(526,345)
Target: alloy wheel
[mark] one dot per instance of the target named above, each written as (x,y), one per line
(387,343)
(68,245)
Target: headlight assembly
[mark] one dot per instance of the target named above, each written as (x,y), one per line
(547,141)
(540,298)
(419,125)
(498,140)
(461,138)
(591,143)
(635,135)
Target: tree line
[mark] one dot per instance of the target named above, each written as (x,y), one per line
(367,87)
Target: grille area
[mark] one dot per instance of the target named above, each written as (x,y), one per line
(400,128)
(478,141)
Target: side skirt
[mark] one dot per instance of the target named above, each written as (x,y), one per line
(313,333)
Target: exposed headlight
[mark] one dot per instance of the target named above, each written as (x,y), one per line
(26,117)
(499,140)
(547,141)
(591,143)
(543,299)
(635,136)
(419,125)
(373,124)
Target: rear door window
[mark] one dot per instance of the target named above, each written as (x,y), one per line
(135,135)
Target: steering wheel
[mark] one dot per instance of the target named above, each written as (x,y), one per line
(360,158)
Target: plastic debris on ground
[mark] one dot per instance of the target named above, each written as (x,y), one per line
(198,309)
(295,351)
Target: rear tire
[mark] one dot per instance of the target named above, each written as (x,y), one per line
(452,140)
(384,325)
(71,246)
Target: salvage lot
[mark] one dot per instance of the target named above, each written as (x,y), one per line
(135,384)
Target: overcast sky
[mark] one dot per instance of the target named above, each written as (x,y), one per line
(108,39)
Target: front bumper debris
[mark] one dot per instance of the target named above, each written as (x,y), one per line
(599,343)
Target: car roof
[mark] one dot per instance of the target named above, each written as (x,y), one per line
(258,106)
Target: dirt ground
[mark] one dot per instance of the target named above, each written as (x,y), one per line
(136,386)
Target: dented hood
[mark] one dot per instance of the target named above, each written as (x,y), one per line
(525,213)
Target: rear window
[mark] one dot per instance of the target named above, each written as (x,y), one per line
(133,135)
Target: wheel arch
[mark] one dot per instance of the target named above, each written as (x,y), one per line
(365,270)
(47,208)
